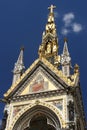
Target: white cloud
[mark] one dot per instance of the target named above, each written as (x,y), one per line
(68,18)
(77,27)
(65,31)
(70,25)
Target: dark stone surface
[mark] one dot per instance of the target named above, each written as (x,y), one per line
(71,111)
(3,125)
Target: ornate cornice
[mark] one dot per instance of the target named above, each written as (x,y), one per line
(38,95)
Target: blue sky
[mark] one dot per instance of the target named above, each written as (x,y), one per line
(22,23)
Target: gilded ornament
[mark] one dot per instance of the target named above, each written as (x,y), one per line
(37,102)
(76,69)
(51,8)
(48,50)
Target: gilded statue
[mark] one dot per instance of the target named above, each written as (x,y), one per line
(48,50)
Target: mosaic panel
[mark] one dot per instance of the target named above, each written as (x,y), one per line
(39,84)
(58,104)
(16,109)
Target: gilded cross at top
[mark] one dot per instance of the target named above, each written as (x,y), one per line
(51,8)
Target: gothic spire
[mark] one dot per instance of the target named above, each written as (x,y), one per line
(19,67)
(66,60)
(49,47)
(65,49)
(50,26)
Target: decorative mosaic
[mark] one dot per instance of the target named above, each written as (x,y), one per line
(39,84)
(58,104)
(17,109)
(39,69)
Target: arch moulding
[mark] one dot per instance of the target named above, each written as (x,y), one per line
(30,106)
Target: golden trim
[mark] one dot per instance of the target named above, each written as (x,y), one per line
(52,68)
(19,80)
(26,108)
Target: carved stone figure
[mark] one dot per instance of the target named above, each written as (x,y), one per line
(71,111)
(48,51)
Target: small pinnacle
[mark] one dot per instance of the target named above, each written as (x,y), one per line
(22,48)
(76,68)
(65,40)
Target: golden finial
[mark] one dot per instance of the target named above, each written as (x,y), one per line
(76,68)
(65,40)
(51,8)
(22,48)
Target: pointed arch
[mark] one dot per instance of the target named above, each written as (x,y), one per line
(29,111)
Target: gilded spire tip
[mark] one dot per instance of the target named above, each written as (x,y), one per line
(51,8)
(65,40)
(22,48)
(76,68)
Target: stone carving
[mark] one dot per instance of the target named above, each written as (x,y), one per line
(72,127)
(71,111)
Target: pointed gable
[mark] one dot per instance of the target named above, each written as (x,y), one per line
(39,81)
(52,79)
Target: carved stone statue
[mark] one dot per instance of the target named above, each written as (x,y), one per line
(48,50)
(71,111)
